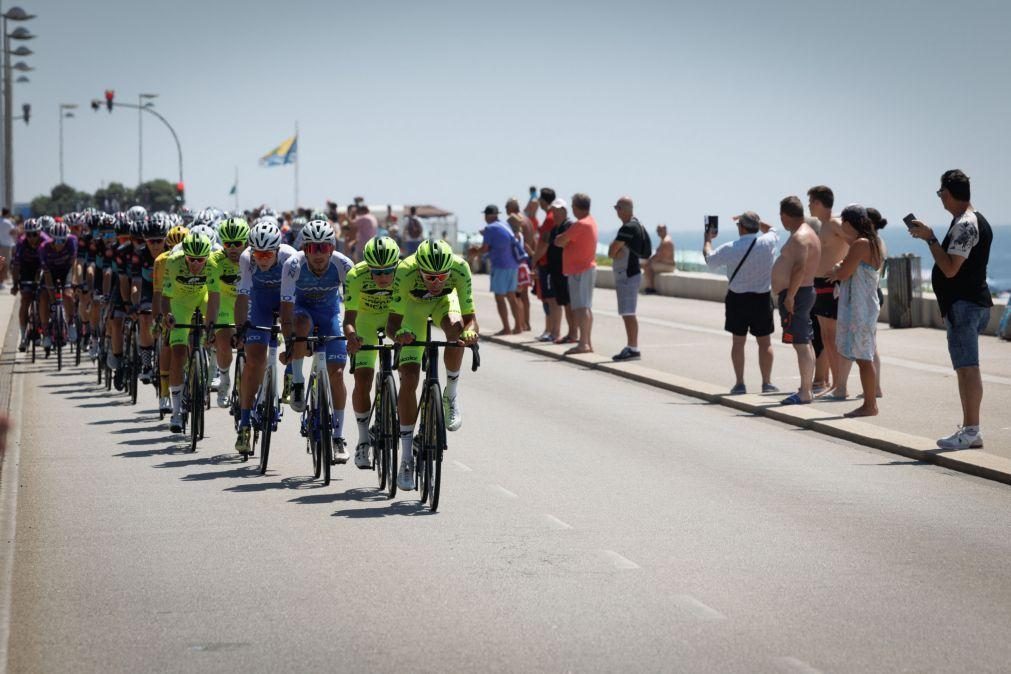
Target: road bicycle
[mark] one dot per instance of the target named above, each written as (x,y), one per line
(196,386)
(57,328)
(267,410)
(384,431)
(317,422)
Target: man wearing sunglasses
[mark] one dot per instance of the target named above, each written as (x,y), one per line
(187,274)
(25,266)
(311,296)
(57,258)
(367,293)
(259,299)
(174,237)
(432,282)
(224,288)
(116,289)
(153,233)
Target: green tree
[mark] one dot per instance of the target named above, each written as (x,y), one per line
(115,197)
(62,199)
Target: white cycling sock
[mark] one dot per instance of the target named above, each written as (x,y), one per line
(971,430)
(363,427)
(297,376)
(177,399)
(452,381)
(406,438)
(337,419)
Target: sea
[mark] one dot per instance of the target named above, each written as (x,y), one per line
(688,249)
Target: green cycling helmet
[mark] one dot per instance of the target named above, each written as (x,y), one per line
(381,252)
(196,245)
(234,229)
(434,257)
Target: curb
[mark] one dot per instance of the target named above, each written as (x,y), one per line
(970,461)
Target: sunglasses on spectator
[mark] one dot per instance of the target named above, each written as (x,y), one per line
(314,248)
(263,254)
(940,191)
(433,278)
(196,260)
(233,244)
(383,272)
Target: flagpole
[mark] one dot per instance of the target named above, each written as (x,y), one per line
(236,187)
(297,151)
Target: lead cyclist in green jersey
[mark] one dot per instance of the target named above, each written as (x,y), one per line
(431,283)
(368,290)
(222,291)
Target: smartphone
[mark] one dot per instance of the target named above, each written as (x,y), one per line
(713,224)
(533,191)
(909,220)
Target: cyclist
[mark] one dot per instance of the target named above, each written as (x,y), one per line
(142,285)
(367,294)
(293,235)
(174,237)
(432,282)
(259,299)
(25,266)
(224,288)
(116,289)
(104,244)
(311,291)
(184,289)
(58,258)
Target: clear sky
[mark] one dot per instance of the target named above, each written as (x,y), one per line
(690,108)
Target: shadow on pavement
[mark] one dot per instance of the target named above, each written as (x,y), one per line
(395,509)
(147,453)
(146,441)
(358,494)
(204,461)
(130,420)
(301,482)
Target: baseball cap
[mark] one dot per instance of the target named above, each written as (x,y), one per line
(559,203)
(491,209)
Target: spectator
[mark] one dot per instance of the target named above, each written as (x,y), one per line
(793,283)
(826,305)
(859,307)
(959,280)
(748,304)
(879,223)
(579,264)
(364,227)
(523,272)
(414,232)
(661,262)
(544,253)
(500,247)
(6,242)
(630,243)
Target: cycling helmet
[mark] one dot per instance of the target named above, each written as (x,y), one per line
(207,231)
(175,236)
(31,226)
(137,228)
(434,257)
(265,236)
(267,219)
(204,217)
(381,252)
(186,216)
(123,226)
(318,231)
(196,245)
(267,212)
(136,214)
(298,223)
(46,223)
(234,229)
(319,215)
(157,227)
(59,232)
(107,221)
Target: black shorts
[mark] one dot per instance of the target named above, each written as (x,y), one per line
(826,304)
(746,312)
(797,328)
(559,288)
(61,277)
(543,280)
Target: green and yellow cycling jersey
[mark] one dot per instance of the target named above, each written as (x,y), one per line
(362,294)
(409,288)
(183,285)
(224,278)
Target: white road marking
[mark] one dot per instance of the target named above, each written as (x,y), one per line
(503,491)
(556,523)
(698,610)
(790,664)
(462,467)
(619,561)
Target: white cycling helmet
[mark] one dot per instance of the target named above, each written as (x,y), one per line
(137,214)
(207,231)
(32,226)
(59,231)
(46,223)
(265,236)
(318,231)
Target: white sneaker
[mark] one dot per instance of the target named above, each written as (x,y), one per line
(340,452)
(72,333)
(451,410)
(176,423)
(46,342)
(961,439)
(165,405)
(405,478)
(362,456)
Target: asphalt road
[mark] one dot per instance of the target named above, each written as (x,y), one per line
(587,523)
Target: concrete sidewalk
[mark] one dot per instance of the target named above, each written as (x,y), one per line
(686,350)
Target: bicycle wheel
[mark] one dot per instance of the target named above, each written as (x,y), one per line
(432,442)
(310,422)
(266,421)
(58,336)
(234,406)
(323,425)
(134,360)
(204,387)
(196,409)
(389,432)
(77,344)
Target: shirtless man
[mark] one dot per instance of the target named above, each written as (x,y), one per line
(661,262)
(834,247)
(793,285)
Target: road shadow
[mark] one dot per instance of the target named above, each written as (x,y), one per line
(394,509)
(69,384)
(177,448)
(130,420)
(107,403)
(300,482)
(357,494)
(216,460)
(139,442)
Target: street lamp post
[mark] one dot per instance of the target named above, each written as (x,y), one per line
(20,33)
(63,108)
(141,98)
(96,104)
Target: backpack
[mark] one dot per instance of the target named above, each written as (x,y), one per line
(642,246)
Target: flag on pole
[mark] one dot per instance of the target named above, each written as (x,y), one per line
(235,188)
(285,153)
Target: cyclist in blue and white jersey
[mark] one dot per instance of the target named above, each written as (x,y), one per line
(311,296)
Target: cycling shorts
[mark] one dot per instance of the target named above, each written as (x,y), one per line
(416,321)
(328,319)
(366,325)
(262,307)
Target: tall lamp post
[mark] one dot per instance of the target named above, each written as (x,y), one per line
(64,107)
(20,33)
(110,103)
(141,98)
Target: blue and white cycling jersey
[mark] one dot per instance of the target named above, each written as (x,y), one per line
(251,279)
(302,286)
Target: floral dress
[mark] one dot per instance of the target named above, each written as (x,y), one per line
(858,314)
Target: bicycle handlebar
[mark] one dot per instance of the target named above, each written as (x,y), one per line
(475,352)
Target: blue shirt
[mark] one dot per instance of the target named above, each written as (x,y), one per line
(251,278)
(301,285)
(501,246)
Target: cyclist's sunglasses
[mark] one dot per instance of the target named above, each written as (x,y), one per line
(263,254)
(383,272)
(434,278)
(196,260)
(31,234)
(314,248)
(155,241)
(233,244)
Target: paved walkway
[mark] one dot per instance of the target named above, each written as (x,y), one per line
(686,338)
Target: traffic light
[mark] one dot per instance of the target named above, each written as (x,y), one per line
(180,193)
(109,95)
(26,109)
(95,105)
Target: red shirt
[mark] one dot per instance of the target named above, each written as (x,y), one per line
(543,233)
(580,254)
